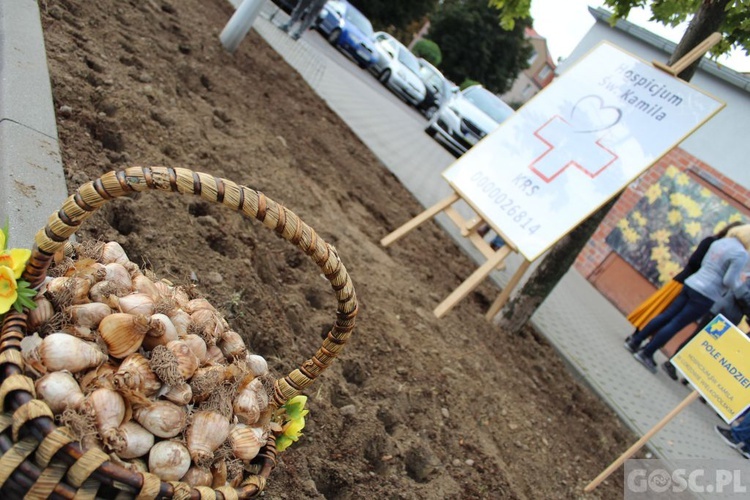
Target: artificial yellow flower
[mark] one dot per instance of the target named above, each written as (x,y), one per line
(735,217)
(630,235)
(671,171)
(15,258)
(8,289)
(638,218)
(653,193)
(693,228)
(660,253)
(682,179)
(674,217)
(667,270)
(706,193)
(293,428)
(661,236)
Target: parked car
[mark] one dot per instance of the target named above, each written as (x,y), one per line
(468,116)
(348,29)
(437,88)
(397,68)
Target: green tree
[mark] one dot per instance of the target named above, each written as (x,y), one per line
(475,46)
(429,51)
(394,15)
(706,16)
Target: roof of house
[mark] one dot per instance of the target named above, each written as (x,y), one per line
(712,67)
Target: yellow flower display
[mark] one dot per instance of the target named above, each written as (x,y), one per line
(692,208)
(638,218)
(682,179)
(667,270)
(13,291)
(660,253)
(631,235)
(693,228)
(661,236)
(653,193)
(705,192)
(671,172)
(8,289)
(295,422)
(674,217)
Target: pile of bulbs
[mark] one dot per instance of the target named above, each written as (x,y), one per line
(138,368)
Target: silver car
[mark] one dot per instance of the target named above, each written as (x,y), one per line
(466,117)
(397,68)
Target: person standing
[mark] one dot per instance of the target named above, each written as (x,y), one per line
(305,13)
(660,300)
(720,270)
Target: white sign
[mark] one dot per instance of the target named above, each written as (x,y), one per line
(575,145)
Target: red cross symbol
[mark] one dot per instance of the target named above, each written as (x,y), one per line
(565,147)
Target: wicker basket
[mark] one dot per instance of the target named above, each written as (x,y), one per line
(40,459)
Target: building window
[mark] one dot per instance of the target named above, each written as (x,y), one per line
(528,91)
(532,57)
(544,73)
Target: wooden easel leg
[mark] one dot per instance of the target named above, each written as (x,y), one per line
(505,294)
(471,282)
(419,219)
(639,444)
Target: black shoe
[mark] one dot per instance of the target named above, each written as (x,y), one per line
(670,370)
(630,346)
(646,361)
(726,436)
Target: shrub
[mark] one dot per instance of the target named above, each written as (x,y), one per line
(468,83)
(429,51)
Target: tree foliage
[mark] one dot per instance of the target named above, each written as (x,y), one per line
(476,47)
(734,25)
(394,15)
(429,51)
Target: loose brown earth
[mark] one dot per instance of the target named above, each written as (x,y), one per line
(416,407)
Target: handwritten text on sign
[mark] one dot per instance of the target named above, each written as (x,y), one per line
(575,145)
(717,364)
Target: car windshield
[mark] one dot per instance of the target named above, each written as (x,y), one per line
(489,103)
(360,21)
(407,59)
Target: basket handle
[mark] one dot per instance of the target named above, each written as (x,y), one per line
(251,204)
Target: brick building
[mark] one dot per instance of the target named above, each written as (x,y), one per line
(539,74)
(707,173)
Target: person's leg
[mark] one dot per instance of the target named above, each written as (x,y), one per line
(741,431)
(659,321)
(696,306)
(315,6)
(297,12)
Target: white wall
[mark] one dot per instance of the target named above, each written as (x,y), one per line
(724,141)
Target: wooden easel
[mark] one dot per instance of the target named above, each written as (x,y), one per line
(495,258)
(674,70)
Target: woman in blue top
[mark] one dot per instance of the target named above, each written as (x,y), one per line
(720,270)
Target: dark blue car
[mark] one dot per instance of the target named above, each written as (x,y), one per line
(348,29)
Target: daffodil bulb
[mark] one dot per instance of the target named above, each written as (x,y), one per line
(134,441)
(60,391)
(123,333)
(162,418)
(246,441)
(88,315)
(60,351)
(207,431)
(113,252)
(116,273)
(198,476)
(169,460)
(135,374)
(107,409)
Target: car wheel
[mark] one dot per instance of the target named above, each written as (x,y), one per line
(430,130)
(333,37)
(430,112)
(385,76)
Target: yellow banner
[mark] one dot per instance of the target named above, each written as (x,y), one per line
(717,364)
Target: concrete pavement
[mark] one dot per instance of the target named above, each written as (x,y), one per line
(579,322)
